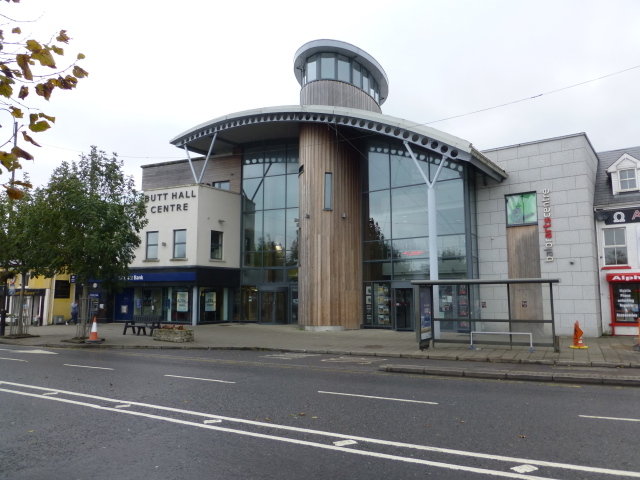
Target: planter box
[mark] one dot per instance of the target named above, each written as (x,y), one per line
(171,335)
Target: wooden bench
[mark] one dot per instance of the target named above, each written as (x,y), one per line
(141,322)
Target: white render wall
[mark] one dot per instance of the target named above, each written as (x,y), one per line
(632,232)
(566,166)
(201,208)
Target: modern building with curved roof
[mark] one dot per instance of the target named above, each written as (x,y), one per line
(321,214)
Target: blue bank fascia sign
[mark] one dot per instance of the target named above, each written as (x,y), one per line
(162,277)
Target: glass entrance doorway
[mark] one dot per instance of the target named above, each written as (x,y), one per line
(402,307)
(273,306)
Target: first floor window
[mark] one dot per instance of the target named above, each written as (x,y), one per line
(216,245)
(521,209)
(615,246)
(179,244)
(152,245)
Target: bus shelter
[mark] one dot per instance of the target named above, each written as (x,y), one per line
(495,312)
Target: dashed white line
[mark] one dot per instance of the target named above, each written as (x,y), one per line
(380,398)
(86,366)
(14,359)
(203,379)
(344,443)
(612,418)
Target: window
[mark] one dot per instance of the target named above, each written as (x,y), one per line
(521,209)
(179,244)
(216,245)
(327,191)
(628,179)
(344,69)
(222,185)
(328,66)
(152,245)
(615,246)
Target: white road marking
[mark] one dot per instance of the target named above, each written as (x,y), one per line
(213,421)
(385,456)
(612,418)
(343,443)
(204,379)
(29,351)
(14,359)
(359,360)
(379,398)
(50,393)
(524,468)
(85,366)
(541,463)
(290,356)
(126,405)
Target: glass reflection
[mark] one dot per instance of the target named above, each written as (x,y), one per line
(377,215)
(409,212)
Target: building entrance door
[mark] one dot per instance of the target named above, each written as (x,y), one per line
(273,306)
(402,307)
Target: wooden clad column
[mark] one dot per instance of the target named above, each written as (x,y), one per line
(330,250)
(523,254)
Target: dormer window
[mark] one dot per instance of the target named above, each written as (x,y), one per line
(624,174)
(628,179)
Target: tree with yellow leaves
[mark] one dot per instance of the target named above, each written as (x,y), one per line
(28,66)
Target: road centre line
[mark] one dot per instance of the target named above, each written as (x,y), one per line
(495,473)
(196,378)
(611,418)
(516,460)
(379,398)
(14,359)
(28,351)
(85,366)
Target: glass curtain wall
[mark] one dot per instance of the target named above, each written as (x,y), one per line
(269,220)
(396,224)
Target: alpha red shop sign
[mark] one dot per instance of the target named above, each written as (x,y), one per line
(623,277)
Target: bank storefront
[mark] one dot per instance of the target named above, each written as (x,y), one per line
(193,296)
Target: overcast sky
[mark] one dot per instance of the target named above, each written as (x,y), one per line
(159,68)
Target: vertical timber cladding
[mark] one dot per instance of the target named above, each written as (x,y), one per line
(523,253)
(330,248)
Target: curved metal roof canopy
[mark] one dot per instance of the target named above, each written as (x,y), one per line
(274,123)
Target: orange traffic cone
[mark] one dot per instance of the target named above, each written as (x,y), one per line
(577,337)
(93,338)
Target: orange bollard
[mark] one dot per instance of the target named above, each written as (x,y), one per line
(577,337)
(93,338)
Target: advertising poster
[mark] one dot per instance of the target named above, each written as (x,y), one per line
(182,301)
(210,301)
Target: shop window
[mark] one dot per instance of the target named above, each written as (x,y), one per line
(152,245)
(615,246)
(521,209)
(179,244)
(216,245)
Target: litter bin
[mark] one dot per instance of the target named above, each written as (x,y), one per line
(58,319)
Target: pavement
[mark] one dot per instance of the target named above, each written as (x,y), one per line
(606,361)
